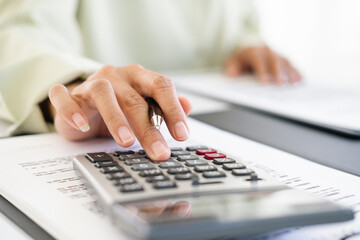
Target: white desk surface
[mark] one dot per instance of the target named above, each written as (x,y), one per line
(200,105)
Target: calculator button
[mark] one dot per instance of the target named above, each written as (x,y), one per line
(178,170)
(194,148)
(171,159)
(205,151)
(113,169)
(106,164)
(126,152)
(214,155)
(184,176)
(141,152)
(195,180)
(179,153)
(134,187)
(150,172)
(129,156)
(169,164)
(187,157)
(99,157)
(117,175)
(231,166)
(253,177)
(164,184)
(205,168)
(136,161)
(213,174)
(123,181)
(220,161)
(192,163)
(143,166)
(242,172)
(156,178)
(176,149)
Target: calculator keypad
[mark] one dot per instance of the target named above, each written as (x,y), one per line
(183,166)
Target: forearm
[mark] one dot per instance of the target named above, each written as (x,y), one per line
(36,55)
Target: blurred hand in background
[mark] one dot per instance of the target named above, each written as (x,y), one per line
(267,65)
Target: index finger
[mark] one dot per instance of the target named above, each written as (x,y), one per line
(136,110)
(162,89)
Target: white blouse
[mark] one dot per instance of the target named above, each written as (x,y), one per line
(43,42)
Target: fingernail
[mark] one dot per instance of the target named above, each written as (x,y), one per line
(80,122)
(181,131)
(125,135)
(159,149)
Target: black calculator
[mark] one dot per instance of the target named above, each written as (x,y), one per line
(198,193)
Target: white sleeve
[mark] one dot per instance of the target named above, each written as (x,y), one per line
(40,45)
(250,36)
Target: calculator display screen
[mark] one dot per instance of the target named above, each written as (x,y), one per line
(228,207)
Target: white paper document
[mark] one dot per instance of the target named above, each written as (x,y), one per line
(319,105)
(38,178)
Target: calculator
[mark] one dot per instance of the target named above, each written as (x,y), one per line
(198,193)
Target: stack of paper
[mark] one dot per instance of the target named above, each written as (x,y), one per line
(319,105)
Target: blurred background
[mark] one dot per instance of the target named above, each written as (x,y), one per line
(321,37)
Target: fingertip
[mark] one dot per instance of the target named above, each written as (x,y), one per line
(232,70)
(160,151)
(281,78)
(284,78)
(81,122)
(298,77)
(185,104)
(181,131)
(126,137)
(265,78)
(293,79)
(278,82)
(85,128)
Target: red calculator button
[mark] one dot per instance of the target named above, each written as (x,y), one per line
(215,155)
(205,151)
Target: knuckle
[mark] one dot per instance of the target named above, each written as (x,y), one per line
(63,112)
(160,82)
(106,69)
(175,112)
(67,110)
(148,133)
(132,101)
(113,120)
(135,66)
(100,85)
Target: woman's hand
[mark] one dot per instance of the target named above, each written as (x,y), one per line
(267,65)
(111,103)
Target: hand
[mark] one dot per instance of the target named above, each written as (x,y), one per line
(267,65)
(111,103)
